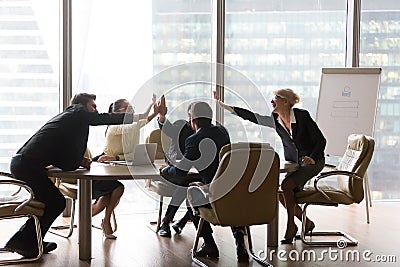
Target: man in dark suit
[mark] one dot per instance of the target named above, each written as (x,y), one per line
(178,131)
(61,142)
(202,152)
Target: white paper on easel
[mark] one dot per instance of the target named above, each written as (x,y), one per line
(347,104)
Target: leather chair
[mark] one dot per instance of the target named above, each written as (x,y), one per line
(17,206)
(69,188)
(162,189)
(243,191)
(345,190)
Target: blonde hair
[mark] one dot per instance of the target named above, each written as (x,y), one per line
(289,95)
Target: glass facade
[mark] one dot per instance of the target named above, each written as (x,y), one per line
(269,44)
(29,71)
(379,47)
(280,44)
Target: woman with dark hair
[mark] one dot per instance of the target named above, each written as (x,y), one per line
(120,142)
(303,143)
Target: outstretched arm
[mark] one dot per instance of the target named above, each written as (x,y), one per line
(247,114)
(155,112)
(146,113)
(222,104)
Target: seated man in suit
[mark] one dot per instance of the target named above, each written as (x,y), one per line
(202,151)
(178,131)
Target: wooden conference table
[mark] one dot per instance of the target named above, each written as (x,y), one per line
(101,171)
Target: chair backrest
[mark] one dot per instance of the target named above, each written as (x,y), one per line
(163,142)
(356,158)
(244,188)
(238,145)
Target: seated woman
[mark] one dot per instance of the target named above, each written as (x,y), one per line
(109,192)
(303,143)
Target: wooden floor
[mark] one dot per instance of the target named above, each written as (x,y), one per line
(137,245)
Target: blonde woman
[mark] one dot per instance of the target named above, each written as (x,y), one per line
(303,142)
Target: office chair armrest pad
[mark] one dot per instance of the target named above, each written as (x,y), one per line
(330,165)
(199,184)
(337,172)
(323,175)
(197,197)
(11,181)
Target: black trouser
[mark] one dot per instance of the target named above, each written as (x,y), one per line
(44,190)
(177,199)
(179,196)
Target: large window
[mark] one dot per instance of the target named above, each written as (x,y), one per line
(129,49)
(127,54)
(379,45)
(279,44)
(29,71)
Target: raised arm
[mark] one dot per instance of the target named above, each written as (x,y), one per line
(162,110)
(264,120)
(171,130)
(222,104)
(146,113)
(154,114)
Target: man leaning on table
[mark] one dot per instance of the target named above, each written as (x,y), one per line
(61,142)
(201,151)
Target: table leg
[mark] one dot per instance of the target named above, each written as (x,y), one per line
(272,230)
(85,219)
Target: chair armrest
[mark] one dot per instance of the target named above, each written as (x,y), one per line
(331,166)
(337,172)
(197,196)
(11,181)
(7,175)
(199,184)
(323,175)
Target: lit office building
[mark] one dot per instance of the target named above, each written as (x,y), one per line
(274,43)
(280,44)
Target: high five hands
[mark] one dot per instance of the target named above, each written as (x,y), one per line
(222,104)
(162,107)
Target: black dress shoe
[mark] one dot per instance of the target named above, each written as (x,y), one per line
(210,251)
(179,226)
(164,230)
(49,247)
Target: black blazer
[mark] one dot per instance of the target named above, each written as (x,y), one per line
(202,152)
(178,131)
(306,140)
(62,141)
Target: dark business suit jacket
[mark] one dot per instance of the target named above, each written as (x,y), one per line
(306,140)
(178,131)
(62,140)
(202,152)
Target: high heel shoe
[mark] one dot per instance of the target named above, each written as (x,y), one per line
(308,231)
(289,239)
(310,228)
(108,236)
